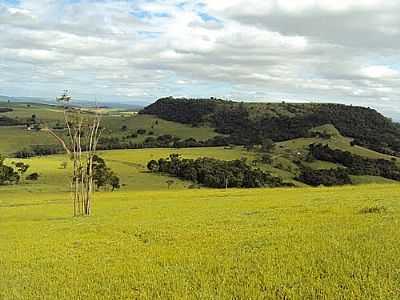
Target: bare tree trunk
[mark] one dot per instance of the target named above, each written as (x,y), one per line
(84,134)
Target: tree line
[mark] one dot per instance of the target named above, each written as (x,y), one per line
(215,173)
(356,164)
(352,164)
(163,141)
(113,143)
(38,150)
(329,177)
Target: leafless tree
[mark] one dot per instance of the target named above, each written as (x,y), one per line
(80,144)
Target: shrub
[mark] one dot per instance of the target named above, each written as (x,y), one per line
(33,177)
(373,210)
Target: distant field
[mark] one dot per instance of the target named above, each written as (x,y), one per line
(324,243)
(156,125)
(17,138)
(26,110)
(130,165)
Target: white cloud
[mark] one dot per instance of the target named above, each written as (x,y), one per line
(321,50)
(379,72)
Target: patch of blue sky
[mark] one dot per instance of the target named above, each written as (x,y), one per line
(206,17)
(71,1)
(10,2)
(143,14)
(390,61)
(149,34)
(181,4)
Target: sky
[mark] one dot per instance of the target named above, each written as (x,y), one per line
(344,51)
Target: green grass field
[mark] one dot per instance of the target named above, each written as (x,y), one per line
(130,166)
(17,137)
(203,244)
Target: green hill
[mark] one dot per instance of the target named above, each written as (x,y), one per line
(253,122)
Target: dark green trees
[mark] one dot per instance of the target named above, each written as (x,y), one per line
(103,176)
(215,173)
(7,174)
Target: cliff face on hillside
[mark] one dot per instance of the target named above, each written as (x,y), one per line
(252,122)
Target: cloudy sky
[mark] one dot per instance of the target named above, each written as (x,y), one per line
(267,50)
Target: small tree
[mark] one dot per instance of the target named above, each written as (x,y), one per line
(153,166)
(267,145)
(21,168)
(32,177)
(104,176)
(169,183)
(7,174)
(100,172)
(114,182)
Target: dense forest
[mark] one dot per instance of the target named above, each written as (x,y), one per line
(248,123)
(215,173)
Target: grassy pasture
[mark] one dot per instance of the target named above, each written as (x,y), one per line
(113,123)
(130,165)
(322,243)
(17,138)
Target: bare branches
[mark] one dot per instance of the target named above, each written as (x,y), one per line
(59,139)
(84,133)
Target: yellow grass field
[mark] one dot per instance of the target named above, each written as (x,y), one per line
(147,242)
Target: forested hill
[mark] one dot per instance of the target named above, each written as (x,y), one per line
(250,123)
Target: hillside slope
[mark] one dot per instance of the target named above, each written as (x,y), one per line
(253,122)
